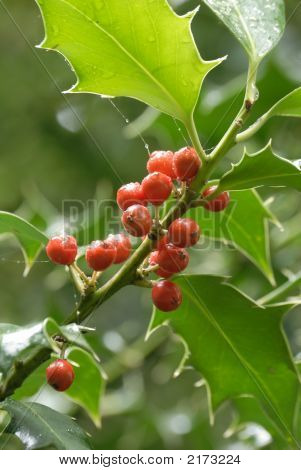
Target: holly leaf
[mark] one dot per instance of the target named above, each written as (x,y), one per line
(257,25)
(289,105)
(237,346)
(40,427)
(140,49)
(89,384)
(263,168)
(244,224)
(30,238)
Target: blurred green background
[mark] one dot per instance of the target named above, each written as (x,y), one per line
(57,148)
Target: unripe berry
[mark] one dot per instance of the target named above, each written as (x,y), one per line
(62,250)
(161,161)
(157,188)
(130,194)
(153,260)
(186,164)
(167,296)
(123,247)
(219,203)
(60,375)
(184,233)
(137,220)
(173,259)
(100,254)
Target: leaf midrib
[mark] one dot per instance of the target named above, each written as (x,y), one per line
(249,369)
(128,53)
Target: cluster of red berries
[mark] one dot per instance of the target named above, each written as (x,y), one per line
(170,255)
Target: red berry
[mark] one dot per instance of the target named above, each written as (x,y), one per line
(62,250)
(137,220)
(186,163)
(219,203)
(183,233)
(167,296)
(123,247)
(60,375)
(153,260)
(157,188)
(163,162)
(101,254)
(173,259)
(130,194)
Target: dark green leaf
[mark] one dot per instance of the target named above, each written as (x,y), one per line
(237,346)
(40,427)
(257,24)
(30,238)
(263,168)
(133,55)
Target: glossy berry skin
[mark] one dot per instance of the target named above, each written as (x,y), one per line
(184,233)
(186,164)
(62,250)
(153,260)
(167,296)
(123,247)
(130,194)
(219,203)
(100,255)
(163,162)
(156,187)
(60,375)
(160,244)
(173,259)
(137,220)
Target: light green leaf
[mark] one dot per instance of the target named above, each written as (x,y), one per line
(237,346)
(263,168)
(89,384)
(40,427)
(30,238)
(258,25)
(289,106)
(16,342)
(244,224)
(140,49)
(4,420)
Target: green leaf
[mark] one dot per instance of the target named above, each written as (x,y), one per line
(4,420)
(263,168)
(257,25)
(140,49)
(30,238)
(289,106)
(17,342)
(89,384)
(40,427)
(237,346)
(244,224)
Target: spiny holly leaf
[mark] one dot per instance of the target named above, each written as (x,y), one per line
(237,346)
(30,238)
(244,224)
(86,390)
(257,24)
(289,106)
(40,427)
(16,341)
(140,49)
(263,168)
